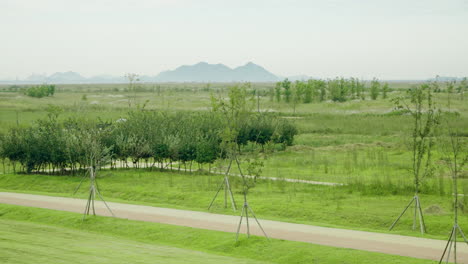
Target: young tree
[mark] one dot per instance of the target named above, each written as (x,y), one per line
(374,89)
(462,88)
(286,84)
(353,88)
(360,90)
(254,169)
(450,88)
(96,155)
(337,89)
(425,117)
(385,90)
(296,97)
(455,157)
(308,92)
(132,80)
(278,92)
(235,112)
(322,88)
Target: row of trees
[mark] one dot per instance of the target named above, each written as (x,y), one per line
(40,91)
(153,137)
(337,90)
(342,89)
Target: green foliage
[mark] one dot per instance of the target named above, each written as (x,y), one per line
(336,90)
(374,89)
(286,84)
(144,135)
(40,91)
(385,90)
(285,133)
(308,93)
(320,85)
(278,92)
(426,118)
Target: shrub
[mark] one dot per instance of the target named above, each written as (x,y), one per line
(40,90)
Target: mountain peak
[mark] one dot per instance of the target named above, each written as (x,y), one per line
(205,72)
(65,77)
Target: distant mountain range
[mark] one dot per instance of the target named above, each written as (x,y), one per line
(446,78)
(200,72)
(205,72)
(69,77)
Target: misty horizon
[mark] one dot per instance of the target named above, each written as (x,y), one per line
(389,40)
(199,72)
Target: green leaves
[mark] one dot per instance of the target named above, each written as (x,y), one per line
(143,135)
(40,91)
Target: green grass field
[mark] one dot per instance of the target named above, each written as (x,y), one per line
(363,144)
(31,235)
(25,242)
(342,207)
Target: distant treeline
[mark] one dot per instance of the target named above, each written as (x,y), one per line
(156,138)
(337,90)
(342,89)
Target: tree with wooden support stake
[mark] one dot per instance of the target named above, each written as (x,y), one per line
(227,190)
(96,156)
(93,190)
(425,118)
(254,169)
(455,157)
(235,114)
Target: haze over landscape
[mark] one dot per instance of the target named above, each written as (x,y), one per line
(200,72)
(233,131)
(383,39)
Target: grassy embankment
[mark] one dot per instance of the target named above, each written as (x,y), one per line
(360,143)
(342,207)
(31,235)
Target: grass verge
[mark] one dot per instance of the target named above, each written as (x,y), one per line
(27,232)
(340,207)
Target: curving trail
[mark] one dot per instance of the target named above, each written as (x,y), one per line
(384,243)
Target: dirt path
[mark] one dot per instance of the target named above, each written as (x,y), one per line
(166,166)
(361,240)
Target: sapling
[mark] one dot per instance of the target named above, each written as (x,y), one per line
(235,112)
(462,88)
(96,156)
(455,157)
(132,80)
(374,89)
(426,118)
(254,169)
(296,97)
(286,84)
(278,92)
(385,90)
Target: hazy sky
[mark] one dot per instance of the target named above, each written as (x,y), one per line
(395,39)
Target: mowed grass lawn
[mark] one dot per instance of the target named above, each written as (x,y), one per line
(32,235)
(25,242)
(341,206)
